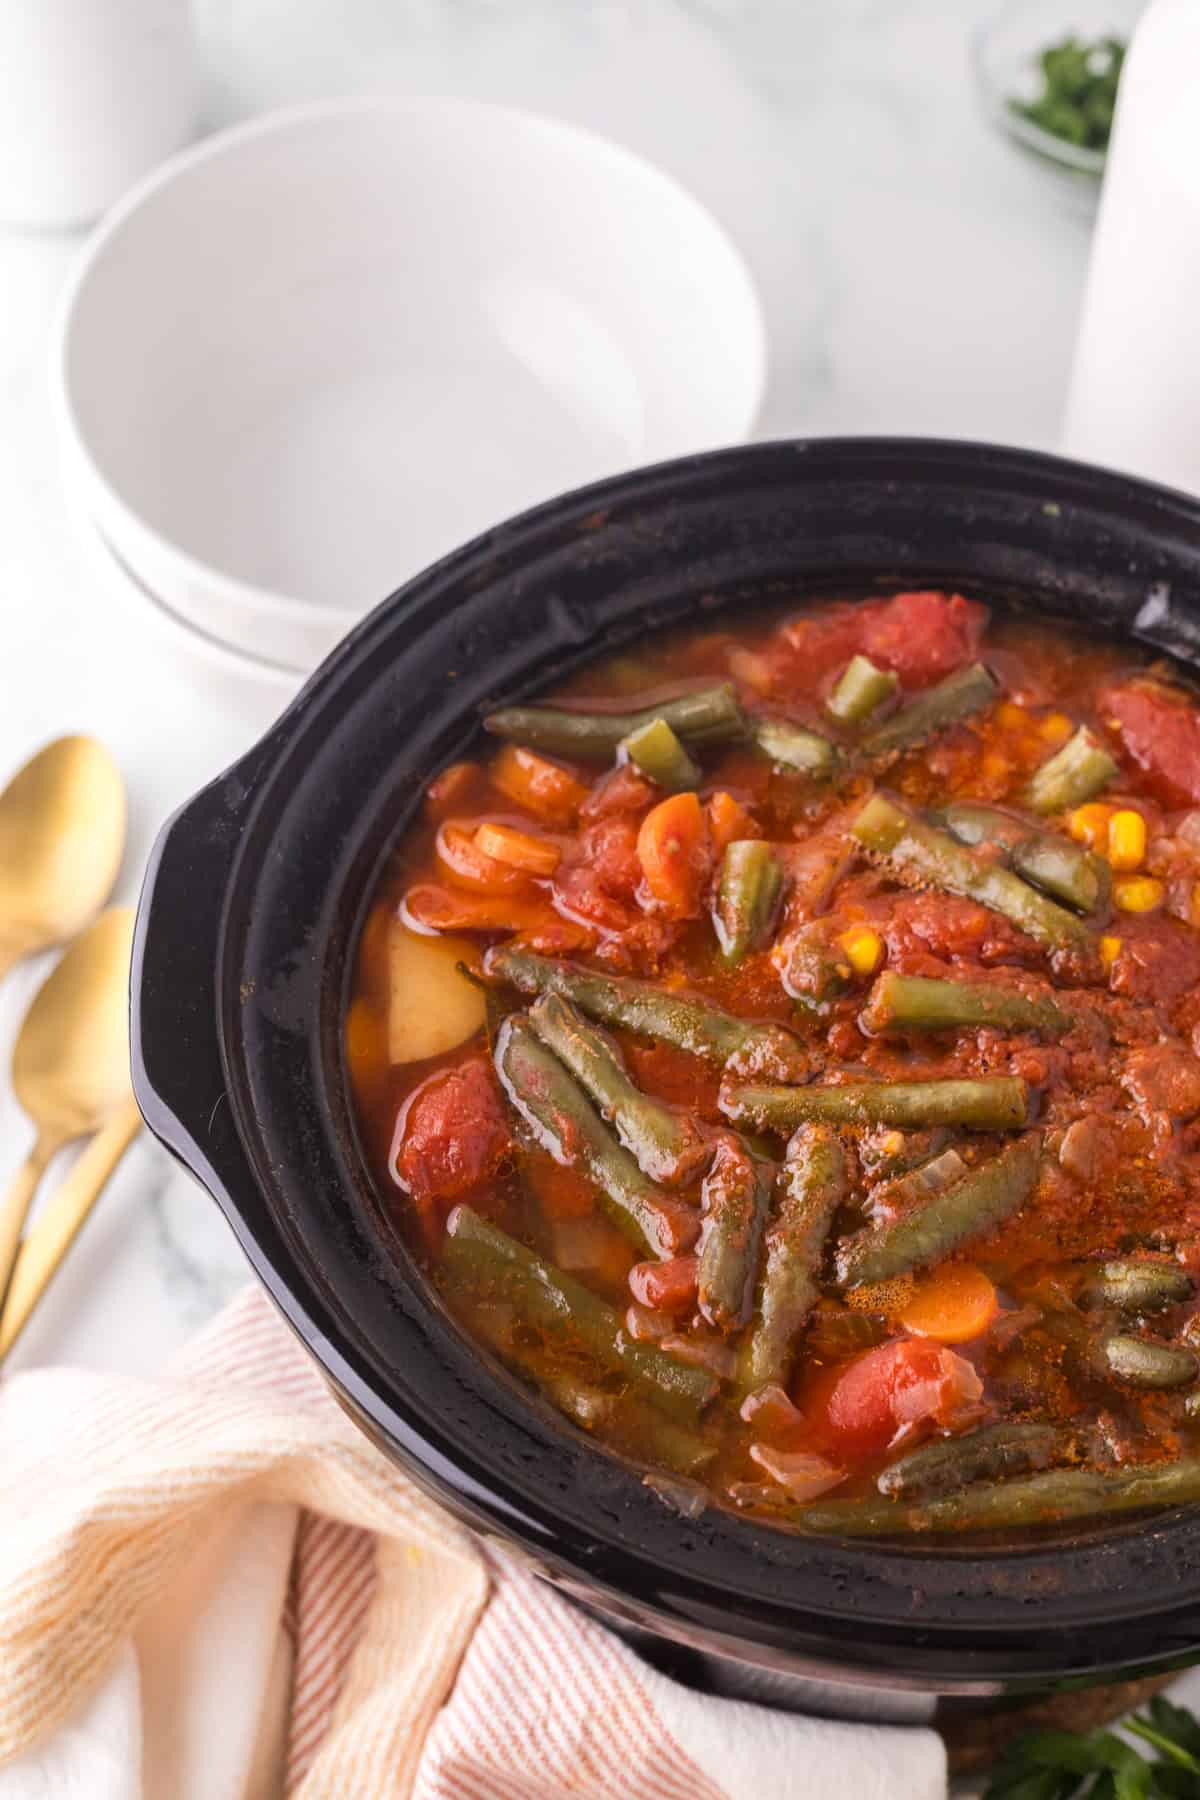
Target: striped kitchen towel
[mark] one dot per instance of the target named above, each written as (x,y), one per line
(213,1587)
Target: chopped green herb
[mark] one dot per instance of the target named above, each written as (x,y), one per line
(1098,1765)
(1078,91)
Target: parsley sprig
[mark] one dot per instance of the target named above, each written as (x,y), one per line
(1078,92)
(1069,1765)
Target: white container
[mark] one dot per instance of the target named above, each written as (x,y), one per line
(93,93)
(320,351)
(1135,391)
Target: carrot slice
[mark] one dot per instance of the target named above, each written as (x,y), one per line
(434,908)
(728,822)
(469,867)
(447,792)
(520,849)
(676,856)
(539,785)
(952,1304)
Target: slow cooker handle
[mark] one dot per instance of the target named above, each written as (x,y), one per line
(178,1075)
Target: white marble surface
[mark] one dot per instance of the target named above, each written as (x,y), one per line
(916,276)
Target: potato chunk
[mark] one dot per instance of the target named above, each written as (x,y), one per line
(431,1006)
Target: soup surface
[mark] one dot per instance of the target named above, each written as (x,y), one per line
(781,1049)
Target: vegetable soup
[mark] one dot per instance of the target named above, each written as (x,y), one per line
(781,1050)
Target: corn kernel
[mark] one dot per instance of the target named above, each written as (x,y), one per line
(1089,825)
(1127,840)
(996,767)
(1012,716)
(864,949)
(1138,894)
(1056,728)
(1110,949)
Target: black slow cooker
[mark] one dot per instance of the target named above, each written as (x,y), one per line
(248,921)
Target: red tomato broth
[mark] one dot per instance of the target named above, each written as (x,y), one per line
(1141,1191)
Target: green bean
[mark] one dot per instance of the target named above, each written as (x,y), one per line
(667,1146)
(970,1208)
(961,694)
(1078,772)
(1138,1287)
(561,1118)
(921,854)
(478,1252)
(973,823)
(584,1402)
(709,715)
(795,747)
(984,1455)
(658,753)
(921,1003)
(1031,1500)
(747,895)
(1053,863)
(1066,871)
(1144,1365)
(992,1103)
(860,691)
(812,1187)
(734,1199)
(671,1018)
(835,1335)
(671,1446)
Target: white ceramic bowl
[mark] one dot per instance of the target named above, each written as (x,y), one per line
(184,645)
(317,352)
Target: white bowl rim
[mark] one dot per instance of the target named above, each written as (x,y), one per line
(231,659)
(284,607)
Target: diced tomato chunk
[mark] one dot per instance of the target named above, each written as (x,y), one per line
(813,646)
(1161,731)
(1163,1078)
(622,790)
(906,1382)
(924,635)
(947,926)
(1159,959)
(598,879)
(921,635)
(665,1286)
(453,1135)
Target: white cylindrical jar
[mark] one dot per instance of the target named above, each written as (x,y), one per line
(1134,400)
(93,93)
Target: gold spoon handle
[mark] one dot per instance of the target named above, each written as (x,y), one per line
(56,1229)
(16,1204)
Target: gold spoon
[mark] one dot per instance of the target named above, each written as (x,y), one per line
(62,832)
(70,1066)
(46,1244)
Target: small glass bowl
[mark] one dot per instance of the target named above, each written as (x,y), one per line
(1004,55)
